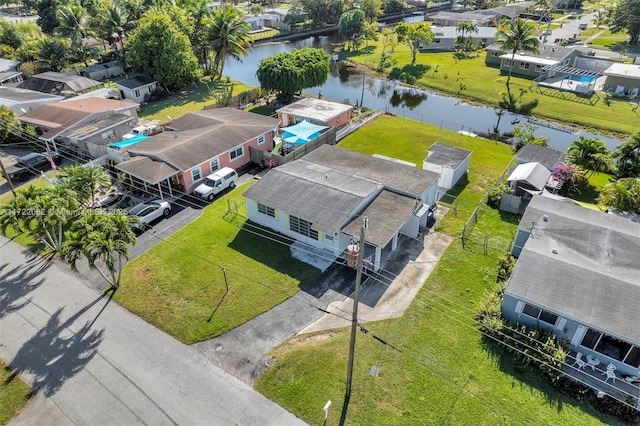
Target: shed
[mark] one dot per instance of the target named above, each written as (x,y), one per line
(136,88)
(316,111)
(103,71)
(529,177)
(449,162)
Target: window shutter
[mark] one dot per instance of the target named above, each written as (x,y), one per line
(519,307)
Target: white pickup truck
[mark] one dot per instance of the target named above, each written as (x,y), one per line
(216,183)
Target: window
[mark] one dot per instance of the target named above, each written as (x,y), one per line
(495,54)
(302,227)
(269,211)
(506,62)
(137,93)
(195,174)
(238,152)
(215,165)
(328,237)
(524,66)
(633,358)
(612,347)
(260,139)
(540,314)
(591,338)
(538,68)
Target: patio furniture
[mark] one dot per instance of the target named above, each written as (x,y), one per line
(610,372)
(579,361)
(592,361)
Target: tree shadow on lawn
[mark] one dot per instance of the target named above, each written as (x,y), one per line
(201,94)
(586,192)
(416,71)
(272,250)
(346,54)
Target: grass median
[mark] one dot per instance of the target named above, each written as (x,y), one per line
(14,394)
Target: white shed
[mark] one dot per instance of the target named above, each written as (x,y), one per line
(136,88)
(449,162)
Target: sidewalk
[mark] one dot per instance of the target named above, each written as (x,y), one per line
(92,362)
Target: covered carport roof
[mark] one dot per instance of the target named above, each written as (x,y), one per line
(563,69)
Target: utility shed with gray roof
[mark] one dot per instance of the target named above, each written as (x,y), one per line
(320,200)
(449,162)
(582,266)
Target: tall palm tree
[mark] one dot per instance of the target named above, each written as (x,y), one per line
(104,240)
(599,18)
(514,36)
(113,19)
(74,24)
(83,180)
(627,157)
(228,35)
(200,12)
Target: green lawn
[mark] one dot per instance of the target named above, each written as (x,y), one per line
(188,100)
(442,372)
(178,284)
(14,394)
(587,193)
(473,80)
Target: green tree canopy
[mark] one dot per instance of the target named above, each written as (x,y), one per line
(158,48)
(623,194)
(289,73)
(626,17)
(84,180)
(351,26)
(394,6)
(626,158)
(228,35)
(324,12)
(371,8)
(523,135)
(515,36)
(414,35)
(47,17)
(589,153)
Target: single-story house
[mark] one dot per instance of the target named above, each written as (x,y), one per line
(21,101)
(275,18)
(577,275)
(255,22)
(530,64)
(54,120)
(548,157)
(482,18)
(11,78)
(56,83)
(623,79)
(93,137)
(103,71)
(136,89)
(528,177)
(321,199)
(317,111)
(445,37)
(449,162)
(196,145)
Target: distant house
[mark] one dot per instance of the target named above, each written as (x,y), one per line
(255,22)
(449,162)
(482,18)
(9,74)
(445,37)
(320,201)
(9,65)
(103,71)
(21,101)
(196,145)
(530,64)
(316,111)
(577,275)
(548,157)
(136,88)
(57,121)
(55,83)
(623,79)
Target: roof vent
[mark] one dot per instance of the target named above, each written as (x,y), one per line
(554,251)
(545,218)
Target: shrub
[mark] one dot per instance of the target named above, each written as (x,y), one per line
(505,268)
(496,193)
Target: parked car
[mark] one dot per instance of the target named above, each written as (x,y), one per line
(216,183)
(572,15)
(546,32)
(150,211)
(28,165)
(583,26)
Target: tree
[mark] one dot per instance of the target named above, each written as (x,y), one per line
(626,158)
(371,8)
(289,73)
(624,194)
(114,19)
(414,36)
(389,41)
(256,9)
(599,17)
(158,48)
(200,13)
(103,239)
(47,17)
(229,36)
(523,135)
(84,180)
(516,36)
(394,6)
(10,127)
(74,24)
(43,212)
(625,17)
(589,153)
(351,27)
(465,40)
(52,51)
(323,13)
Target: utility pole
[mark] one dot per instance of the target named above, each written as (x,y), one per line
(4,173)
(354,322)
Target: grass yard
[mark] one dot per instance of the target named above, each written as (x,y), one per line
(178,285)
(14,394)
(188,100)
(442,372)
(473,80)
(587,193)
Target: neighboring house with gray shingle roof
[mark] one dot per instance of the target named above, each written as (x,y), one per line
(198,144)
(321,199)
(577,274)
(548,157)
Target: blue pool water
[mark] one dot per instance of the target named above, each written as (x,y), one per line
(129,142)
(584,79)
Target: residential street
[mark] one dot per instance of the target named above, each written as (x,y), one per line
(99,364)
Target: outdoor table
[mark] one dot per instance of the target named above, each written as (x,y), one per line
(593,360)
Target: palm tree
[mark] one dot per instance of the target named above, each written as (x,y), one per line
(228,35)
(623,194)
(599,18)
(589,153)
(514,36)
(200,13)
(83,180)
(627,157)
(104,240)
(74,24)
(113,19)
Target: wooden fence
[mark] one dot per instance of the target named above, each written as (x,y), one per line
(264,158)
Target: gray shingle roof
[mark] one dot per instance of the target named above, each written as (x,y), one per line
(54,82)
(446,155)
(408,180)
(593,277)
(147,169)
(134,82)
(548,157)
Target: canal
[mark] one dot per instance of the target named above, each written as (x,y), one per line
(390,96)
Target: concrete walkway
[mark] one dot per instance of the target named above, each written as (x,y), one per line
(93,362)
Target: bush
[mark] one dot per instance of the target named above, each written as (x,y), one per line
(505,268)
(496,193)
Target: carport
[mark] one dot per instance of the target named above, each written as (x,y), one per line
(152,175)
(563,78)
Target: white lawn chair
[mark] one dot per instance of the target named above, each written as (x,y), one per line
(579,361)
(610,372)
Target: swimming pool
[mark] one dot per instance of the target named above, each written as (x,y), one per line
(584,79)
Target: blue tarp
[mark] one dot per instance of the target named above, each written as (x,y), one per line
(129,142)
(302,132)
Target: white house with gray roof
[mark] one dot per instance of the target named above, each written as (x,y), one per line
(320,200)
(449,162)
(577,274)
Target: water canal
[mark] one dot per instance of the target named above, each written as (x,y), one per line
(390,96)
